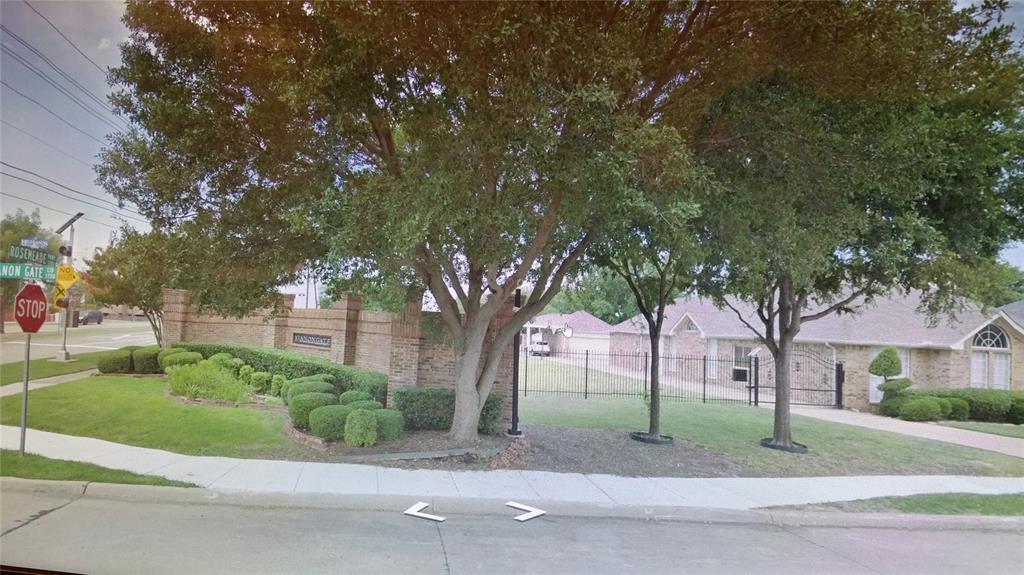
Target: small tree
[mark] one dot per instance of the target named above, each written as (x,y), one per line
(132,273)
(887,364)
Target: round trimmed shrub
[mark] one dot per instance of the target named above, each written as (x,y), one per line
(368,404)
(309,387)
(260,381)
(1016,413)
(361,428)
(390,424)
(921,409)
(222,359)
(235,364)
(894,386)
(244,373)
(959,409)
(945,406)
(144,359)
(185,358)
(890,406)
(117,361)
(166,352)
(302,404)
(275,385)
(353,395)
(328,422)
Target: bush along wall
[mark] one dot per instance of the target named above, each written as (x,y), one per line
(428,408)
(993,405)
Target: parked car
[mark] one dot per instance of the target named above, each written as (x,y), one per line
(92,316)
(540,348)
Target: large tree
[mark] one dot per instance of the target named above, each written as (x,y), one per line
(13,228)
(133,270)
(599,292)
(826,203)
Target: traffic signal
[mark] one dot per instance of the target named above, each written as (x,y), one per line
(65,250)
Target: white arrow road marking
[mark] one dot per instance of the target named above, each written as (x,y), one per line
(415,512)
(531,512)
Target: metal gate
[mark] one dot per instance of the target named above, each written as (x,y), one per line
(814,379)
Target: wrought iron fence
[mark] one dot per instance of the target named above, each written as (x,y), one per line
(706,379)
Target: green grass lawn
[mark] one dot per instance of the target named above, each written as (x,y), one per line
(32,466)
(836,449)
(937,504)
(1007,429)
(46,367)
(135,411)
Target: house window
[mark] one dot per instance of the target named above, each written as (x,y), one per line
(990,359)
(689,325)
(741,356)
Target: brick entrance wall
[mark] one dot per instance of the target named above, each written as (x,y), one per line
(411,347)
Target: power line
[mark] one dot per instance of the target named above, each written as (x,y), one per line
(89,93)
(42,177)
(63,195)
(64,91)
(68,40)
(47,144)
(52,113)
(44,206)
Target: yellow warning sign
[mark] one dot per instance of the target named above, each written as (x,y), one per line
(66,276)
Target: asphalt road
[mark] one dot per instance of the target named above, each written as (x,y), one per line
(96,535)
(111,334)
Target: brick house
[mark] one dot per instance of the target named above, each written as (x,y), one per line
(568,332)
(978,349)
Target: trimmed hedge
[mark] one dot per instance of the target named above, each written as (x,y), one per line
(390,424)
(302,404)
(144,359)
(361,428)
(166,352)
(985,404)
(293,365)
(187,358)
(945,406)
(426,408)
(260,381)
(890,406)
(288,383)
(959,410)
(328,421)
(309,387)
(353,395)
(1016,413)
(367,404)
(921,409)
(275,385)
(117,361)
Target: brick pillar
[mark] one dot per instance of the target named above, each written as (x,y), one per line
(406,340)
(276,334)
(177,307)
(351,305)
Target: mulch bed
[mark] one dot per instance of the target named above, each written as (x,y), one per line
(573,450)
(412,441)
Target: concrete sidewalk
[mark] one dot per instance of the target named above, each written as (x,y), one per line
(252,475)
(965,437)
(16,388)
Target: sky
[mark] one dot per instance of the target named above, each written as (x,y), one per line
(61,146)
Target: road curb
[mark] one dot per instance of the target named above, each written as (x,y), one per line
(450,506)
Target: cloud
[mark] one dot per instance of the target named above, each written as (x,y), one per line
(104,43)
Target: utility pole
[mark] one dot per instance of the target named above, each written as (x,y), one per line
(63,354)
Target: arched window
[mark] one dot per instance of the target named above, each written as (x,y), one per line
(990,359)
(991,337)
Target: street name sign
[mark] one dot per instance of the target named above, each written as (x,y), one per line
(23,271)
(32,255)
(35,243)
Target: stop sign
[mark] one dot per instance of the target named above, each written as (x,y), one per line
(30,308)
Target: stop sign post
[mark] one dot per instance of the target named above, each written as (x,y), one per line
(30,307)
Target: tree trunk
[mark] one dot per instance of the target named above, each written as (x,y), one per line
(782,435)
(654,429)
(468,402)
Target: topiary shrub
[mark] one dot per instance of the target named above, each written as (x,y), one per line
(309,387)
(361,428)
(945,406)
(245,372)
(260,381)
(426,408)
(302,404)
(1016,413)
(894,386)
(353,395)
(921,409)
(117,361)
(890,406)
(144,359)
(886,364)
(187,358)
(367,404)
(390,424)
(959,409)
(328,422)
(275,385)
